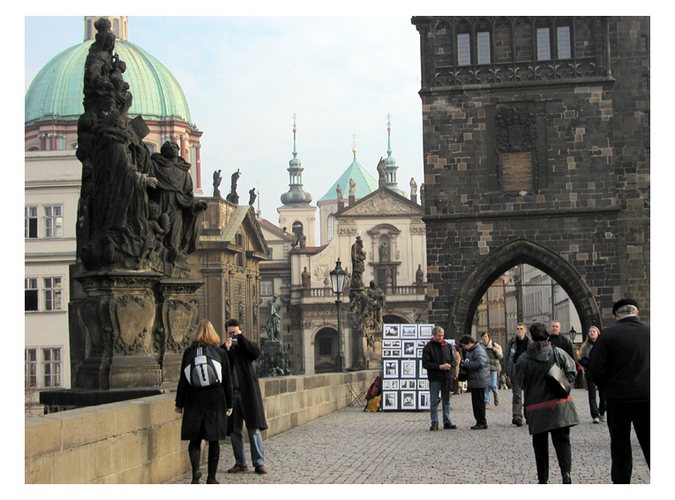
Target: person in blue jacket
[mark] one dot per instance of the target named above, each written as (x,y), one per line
(477,364)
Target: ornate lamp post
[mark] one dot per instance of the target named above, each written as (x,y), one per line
(337,281)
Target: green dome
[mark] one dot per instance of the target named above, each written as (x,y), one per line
(365,183)
(56,91)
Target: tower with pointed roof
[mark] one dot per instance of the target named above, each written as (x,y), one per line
(390,166)
(296,214)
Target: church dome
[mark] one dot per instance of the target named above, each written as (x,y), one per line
(57,90)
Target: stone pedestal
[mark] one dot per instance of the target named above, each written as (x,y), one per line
(178,316)
(273,359)
(112,326)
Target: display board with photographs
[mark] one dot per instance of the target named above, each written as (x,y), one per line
(404,380)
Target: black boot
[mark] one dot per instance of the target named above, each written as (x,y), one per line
(214,456)
(566,478)
(194,451)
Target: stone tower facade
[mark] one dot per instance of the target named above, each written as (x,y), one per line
(536,150)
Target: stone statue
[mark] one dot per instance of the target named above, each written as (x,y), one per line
(306,279)
(251,196)
(352,187)
(358,263)
(413,187)
(273,326)
(422,195)
(233,197)
(383,251)
(419,275)
(176,201)
(338,192)
(216,183)
(376,304)
(381,172)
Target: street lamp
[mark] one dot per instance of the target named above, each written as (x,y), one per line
(337,281)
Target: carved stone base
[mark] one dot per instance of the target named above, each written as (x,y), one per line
(178,316)
(114,321)
(273,360)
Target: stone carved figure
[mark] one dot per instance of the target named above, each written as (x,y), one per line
(413,187)
(251,196)
(233,197)
(419,275)
(217,179)
(306,278)
(381,172)
(352,187)
(358,263)
(273,327)
(339,193)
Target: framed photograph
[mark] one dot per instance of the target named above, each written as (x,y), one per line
(410,385)
(424,331)
(408,400)
(390,368)
(409,348)
(390,384)
(409,331)
(418,352)
(422,370)
(422,384)
(421,343)
(389,400)
(396,353)
(408,368)
(423,400)
(390,331)
(391,344)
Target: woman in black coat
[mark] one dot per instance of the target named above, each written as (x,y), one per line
(544,411)
(205,407)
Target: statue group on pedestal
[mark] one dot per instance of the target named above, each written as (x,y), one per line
(136,210)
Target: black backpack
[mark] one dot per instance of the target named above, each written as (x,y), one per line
(203,368)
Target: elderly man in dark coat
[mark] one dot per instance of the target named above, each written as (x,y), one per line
(248,404)
(477,364)
(619,363)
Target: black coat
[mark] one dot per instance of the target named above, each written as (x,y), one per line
(435,354)
(241,358)
(476,362)
(563,343)
(619,361)
(206,405)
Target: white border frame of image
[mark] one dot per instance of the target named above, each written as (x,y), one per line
(409,362)
(385,407)
(414,346)
(394,384)
(414,400)
(391,343)
(424,330)
(391,326)
(421,406)
(384,368)
(422,370)
(422,384)
(410,330)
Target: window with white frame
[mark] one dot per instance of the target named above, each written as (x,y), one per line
(53,219)
(543,44)
(31,285)
(43,367)
(30,222)
(564,42)
(52,293)
(463,49)
(266,288)
(483,47)
(330,227)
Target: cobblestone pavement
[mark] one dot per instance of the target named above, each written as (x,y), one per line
(355,447)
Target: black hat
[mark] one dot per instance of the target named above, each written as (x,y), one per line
(624,302)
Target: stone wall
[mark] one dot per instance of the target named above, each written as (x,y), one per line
(138,441)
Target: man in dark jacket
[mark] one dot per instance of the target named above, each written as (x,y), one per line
(515,348)
(248,405)
(477,364)
(439,362)
(560,341)
(619,363)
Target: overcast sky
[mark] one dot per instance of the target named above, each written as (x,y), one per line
(245,77)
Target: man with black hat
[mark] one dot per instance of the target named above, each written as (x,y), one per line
(620,366)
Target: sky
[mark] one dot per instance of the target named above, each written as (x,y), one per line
(245,77)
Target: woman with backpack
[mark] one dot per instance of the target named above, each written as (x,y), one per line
(204,397)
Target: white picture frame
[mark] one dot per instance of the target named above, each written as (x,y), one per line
(408,349)
(422,371)
(422,384)
(409,331)
(390,331)
(390,368)
(389,400)
(392,384)
(408,400)
(424,331)
(409,368)
(391,344)
(423,400)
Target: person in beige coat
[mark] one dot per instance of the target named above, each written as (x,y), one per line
(495,355)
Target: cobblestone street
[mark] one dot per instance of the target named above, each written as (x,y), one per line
(355,447)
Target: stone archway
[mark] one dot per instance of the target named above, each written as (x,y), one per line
(325,350)
(498,261)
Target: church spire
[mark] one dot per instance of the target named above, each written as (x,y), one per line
(295,195)
(390,166)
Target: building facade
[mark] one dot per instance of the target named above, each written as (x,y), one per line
(536,150)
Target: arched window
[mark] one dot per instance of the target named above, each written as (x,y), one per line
(331,227)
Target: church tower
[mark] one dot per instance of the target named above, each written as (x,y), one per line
(390,166)
(296,215)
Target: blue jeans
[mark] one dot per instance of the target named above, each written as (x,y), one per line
(442,386)
(493,386)
(237,436)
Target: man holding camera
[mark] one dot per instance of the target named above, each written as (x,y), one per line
(248,405)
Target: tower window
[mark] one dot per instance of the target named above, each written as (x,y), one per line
(564,42)
(543,44)
(463,49)
(483,45)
